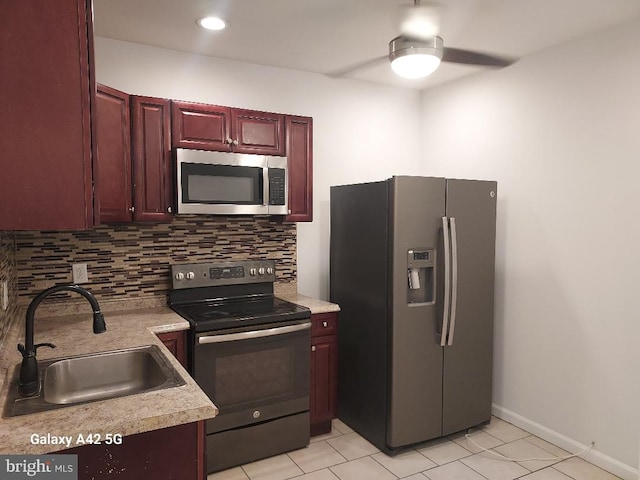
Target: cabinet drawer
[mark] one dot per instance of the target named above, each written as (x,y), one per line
(324,324)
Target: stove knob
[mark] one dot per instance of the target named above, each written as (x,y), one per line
(269,271)
(261,270)
(179,276)
(191,275)
(253,271)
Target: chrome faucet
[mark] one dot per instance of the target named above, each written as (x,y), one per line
(29,384)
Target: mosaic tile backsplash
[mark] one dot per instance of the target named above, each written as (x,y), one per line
(133,261)
(8,273)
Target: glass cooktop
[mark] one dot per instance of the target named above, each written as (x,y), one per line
(239,312)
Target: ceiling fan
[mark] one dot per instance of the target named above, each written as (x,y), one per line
(418,51)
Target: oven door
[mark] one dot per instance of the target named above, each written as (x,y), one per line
(256,374)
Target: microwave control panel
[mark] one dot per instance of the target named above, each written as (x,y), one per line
(277,186)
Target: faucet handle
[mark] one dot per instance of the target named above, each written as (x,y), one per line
(23,350)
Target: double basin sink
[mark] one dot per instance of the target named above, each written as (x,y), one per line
(100,376)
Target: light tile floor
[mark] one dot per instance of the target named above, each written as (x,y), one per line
(345,455)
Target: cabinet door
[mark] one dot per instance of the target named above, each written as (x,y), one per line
(46,97)
(113,163)
(323,383)
(200,126)
(300,164)
(152,161)
(168,453)
(176,342)
(257,132)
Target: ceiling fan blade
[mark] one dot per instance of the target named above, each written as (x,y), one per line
(467,57)
(356,66)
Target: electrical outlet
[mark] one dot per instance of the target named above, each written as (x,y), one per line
(80,274)
(5,295)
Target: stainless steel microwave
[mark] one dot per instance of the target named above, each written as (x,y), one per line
(223,183)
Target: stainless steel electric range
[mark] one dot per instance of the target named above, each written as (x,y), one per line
(249,352)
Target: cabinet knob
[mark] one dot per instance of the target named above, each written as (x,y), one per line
(313,348)
(229,140)
(132,209)
(169,209)
(235,142)
(325,324)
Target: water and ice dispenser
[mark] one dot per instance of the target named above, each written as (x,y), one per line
(421,275)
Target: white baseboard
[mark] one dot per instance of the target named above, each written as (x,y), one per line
(596,457)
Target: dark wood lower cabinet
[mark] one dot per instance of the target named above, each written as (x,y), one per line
(324,370)
(176,342)
(169,453)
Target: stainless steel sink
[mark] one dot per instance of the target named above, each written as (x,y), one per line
(89,378)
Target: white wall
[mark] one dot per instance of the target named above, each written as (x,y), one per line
(560,132)
(362,131)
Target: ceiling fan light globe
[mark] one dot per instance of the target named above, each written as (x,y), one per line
(415,58)
(416,65)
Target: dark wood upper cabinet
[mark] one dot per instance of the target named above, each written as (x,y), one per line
(46,98)
(300,166)
(226,129)
(134,174)
(114,155)
(200,126)
(152,160)
(257,132)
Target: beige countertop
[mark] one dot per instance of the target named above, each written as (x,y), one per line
(315,305)
(72,334)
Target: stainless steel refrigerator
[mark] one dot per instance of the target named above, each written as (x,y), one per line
(412,268)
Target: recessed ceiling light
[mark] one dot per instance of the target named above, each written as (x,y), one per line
(212,23)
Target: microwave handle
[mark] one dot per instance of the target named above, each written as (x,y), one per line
(265,185)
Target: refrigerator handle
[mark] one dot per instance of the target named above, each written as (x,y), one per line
(447,281)
(454,278)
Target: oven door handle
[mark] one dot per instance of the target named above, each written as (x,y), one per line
(268,332)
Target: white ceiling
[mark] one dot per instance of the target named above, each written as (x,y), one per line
(324,36)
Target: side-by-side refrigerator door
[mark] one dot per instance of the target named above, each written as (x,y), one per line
(415,403)
(468,355)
